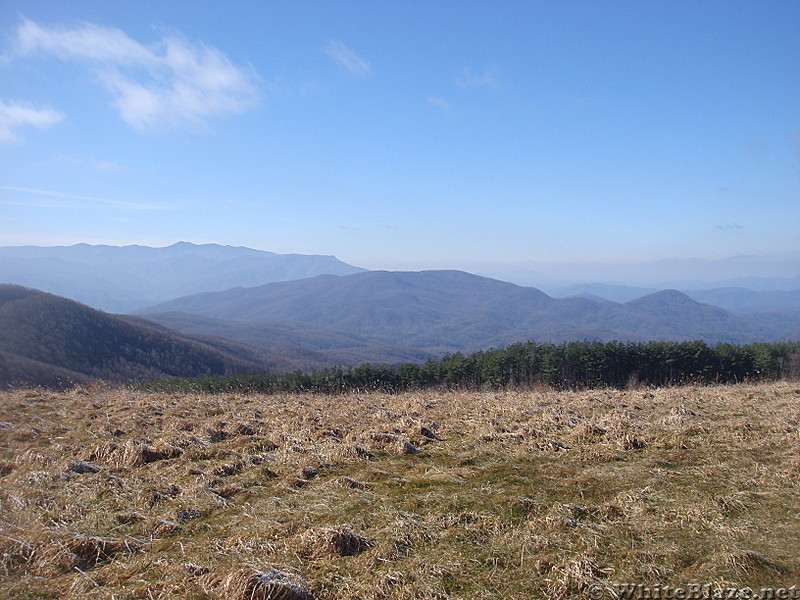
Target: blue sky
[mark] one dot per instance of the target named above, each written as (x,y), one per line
(516,139)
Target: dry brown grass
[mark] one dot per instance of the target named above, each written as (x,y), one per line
(109,493)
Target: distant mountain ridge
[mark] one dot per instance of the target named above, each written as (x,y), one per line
(733,299)
(445,311)
(279,313)
(125,278)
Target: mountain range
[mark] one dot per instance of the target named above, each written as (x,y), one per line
(448,311)
(125,278)
(55,342)
(730,298)
(211,309)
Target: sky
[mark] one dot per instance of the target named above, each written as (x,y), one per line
(527,140)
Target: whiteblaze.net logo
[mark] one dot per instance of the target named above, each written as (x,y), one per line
(691,591)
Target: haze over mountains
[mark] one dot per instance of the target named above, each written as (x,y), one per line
(446,311)
(731,298)
(125,278)
(260,311)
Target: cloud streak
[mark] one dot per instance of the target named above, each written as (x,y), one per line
(348,59)
(468,78)
(171,82)
(439,102)
(53,194)
(14,115)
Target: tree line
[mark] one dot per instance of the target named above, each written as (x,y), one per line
(572,365)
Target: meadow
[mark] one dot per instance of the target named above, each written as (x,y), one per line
(113,493)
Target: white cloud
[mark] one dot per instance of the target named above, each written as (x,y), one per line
(96,164)
(469,78)
(440,102)
(14,115)
(87,41)
(347,58)
(172,81)
(105,165)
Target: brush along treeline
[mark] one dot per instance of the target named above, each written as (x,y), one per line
(568,365)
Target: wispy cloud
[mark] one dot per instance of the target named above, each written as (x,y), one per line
(67,196)
(729,227)
(347,58)
(98,165)
(569,98)
(15,115)
(104,165)
(467,78)
(171,82)
(438,101)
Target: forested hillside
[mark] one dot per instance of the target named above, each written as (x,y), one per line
(46,339)
(451,311)
(574,365)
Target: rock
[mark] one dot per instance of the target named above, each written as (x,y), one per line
(81,467)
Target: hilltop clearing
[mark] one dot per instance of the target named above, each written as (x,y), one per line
(113,493)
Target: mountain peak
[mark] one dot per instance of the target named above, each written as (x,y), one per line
(663,296)
(671,303)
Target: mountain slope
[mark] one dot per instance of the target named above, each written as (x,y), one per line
(285,347)
(124,278)
(435,310)
(44,338)
(444,311)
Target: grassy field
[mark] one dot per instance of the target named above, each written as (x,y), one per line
(114,494)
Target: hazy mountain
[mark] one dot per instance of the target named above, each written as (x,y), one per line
(742,300)
(732,299)
(604,291)
(444,311)
(669,312)
(757,284)
(46,339)
(125,278)
(775,273)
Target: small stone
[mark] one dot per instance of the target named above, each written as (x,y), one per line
(428,433)
(362,452)
(81,467)
(409,448)
(187,514)
(195,570)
